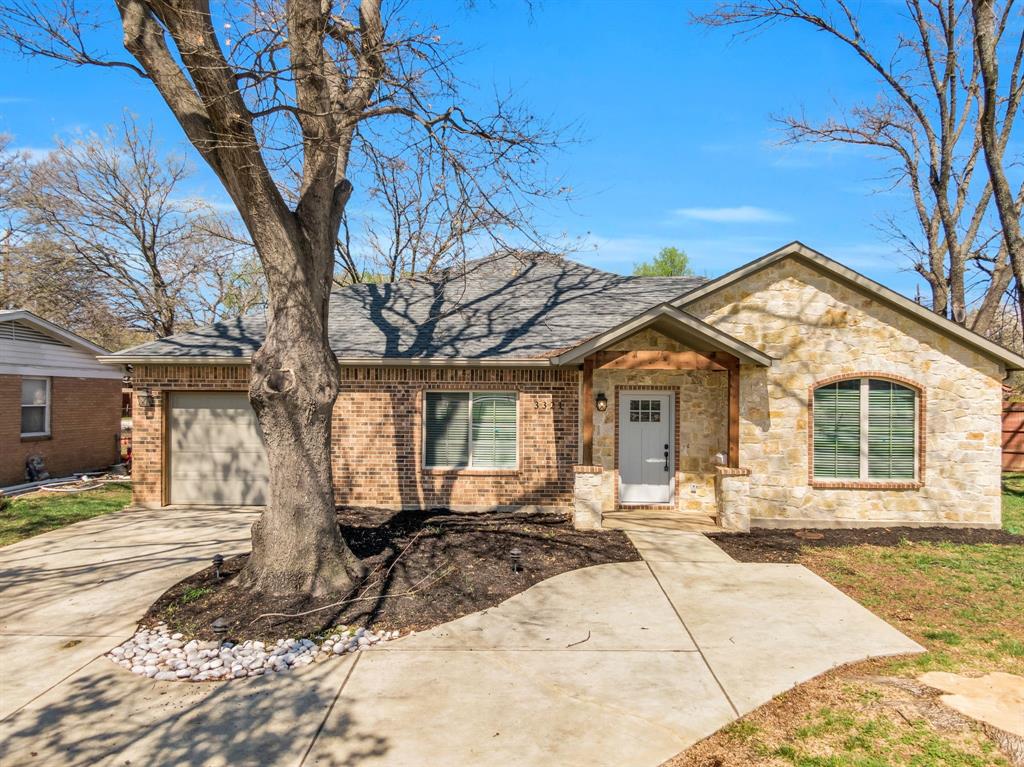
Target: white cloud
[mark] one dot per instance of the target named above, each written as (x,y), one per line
(741,214)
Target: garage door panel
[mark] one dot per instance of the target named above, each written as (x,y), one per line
(216,450)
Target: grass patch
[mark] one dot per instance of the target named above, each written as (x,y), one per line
(41,512)
(1013,502)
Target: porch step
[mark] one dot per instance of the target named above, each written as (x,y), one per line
(655,520)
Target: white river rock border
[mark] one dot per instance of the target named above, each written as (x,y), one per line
(163,656)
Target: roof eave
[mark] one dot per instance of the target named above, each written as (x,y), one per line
(342,361)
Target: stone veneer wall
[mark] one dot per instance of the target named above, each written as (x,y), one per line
(702,408)
(818,328)
(377,442)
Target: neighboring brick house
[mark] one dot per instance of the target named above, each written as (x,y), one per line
(791,392)
(56,400)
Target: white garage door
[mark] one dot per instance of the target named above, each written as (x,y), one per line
(216,450)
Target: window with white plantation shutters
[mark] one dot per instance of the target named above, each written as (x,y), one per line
(892,418)
(837,430)
(470,429)
(865,429)
(446,426)
(494,430)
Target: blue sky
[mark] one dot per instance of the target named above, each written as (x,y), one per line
(678,145)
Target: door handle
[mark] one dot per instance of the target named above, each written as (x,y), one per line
(666,457)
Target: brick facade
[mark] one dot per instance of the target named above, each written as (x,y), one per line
(377,443)
(85,425)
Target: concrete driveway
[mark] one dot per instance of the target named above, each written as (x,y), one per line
(623,664)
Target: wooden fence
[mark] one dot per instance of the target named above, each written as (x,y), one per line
(1013,436)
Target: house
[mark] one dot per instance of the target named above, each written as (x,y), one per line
(790,392)
(56,400)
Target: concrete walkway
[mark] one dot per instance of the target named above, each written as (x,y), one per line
(623,664)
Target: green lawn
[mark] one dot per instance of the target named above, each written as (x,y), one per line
(1013,502)
(41,512)
(960,601)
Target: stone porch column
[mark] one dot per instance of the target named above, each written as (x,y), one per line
(587,497)
(732,491)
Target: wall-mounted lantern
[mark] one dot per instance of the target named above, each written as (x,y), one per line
(601,403)
(146,398)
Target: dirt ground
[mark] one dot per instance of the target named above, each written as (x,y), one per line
(425,568)
(787,545)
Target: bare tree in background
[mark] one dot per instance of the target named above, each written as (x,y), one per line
(993,139)
(297,90)
(117,212)
(418,220)
(13,171)
(927,120)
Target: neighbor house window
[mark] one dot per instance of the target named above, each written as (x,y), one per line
(35,407)
(865,429)
(470,429)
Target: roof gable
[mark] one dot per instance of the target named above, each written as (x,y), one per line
(844,274)
(676,324)
(23,325)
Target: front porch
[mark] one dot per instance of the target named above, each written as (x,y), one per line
(660,428)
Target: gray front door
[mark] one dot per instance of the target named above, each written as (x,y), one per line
(646,448)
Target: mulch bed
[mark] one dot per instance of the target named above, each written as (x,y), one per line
(785,545)
(426,568)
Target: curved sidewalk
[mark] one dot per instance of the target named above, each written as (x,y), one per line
(622,664)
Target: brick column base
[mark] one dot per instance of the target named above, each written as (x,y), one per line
(587,498)
(732,489)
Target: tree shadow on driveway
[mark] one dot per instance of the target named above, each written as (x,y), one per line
(104,715)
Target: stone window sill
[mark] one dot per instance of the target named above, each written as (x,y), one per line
(866,485)
(471,472)
(36,437)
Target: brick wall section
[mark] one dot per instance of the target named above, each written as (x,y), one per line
(85,423)
(377,443)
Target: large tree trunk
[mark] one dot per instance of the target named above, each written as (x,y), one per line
(297,547)
(1006,204)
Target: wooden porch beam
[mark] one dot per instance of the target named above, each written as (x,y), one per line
(587,430)
(654,359)
(733,373)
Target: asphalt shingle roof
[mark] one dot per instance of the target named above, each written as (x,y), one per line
(506,306)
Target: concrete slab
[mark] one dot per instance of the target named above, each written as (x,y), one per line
(92,581)
(104,716)
(484,708)
(617,606)
(765,628)
(30,664)
(662,546)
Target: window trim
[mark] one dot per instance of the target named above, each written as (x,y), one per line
(469,468)
(864,482)
(46,408)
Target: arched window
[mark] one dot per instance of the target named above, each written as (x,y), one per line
(865,429)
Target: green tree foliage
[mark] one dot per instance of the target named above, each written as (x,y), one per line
(670,262)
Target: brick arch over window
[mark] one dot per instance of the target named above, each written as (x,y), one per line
(920,426)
